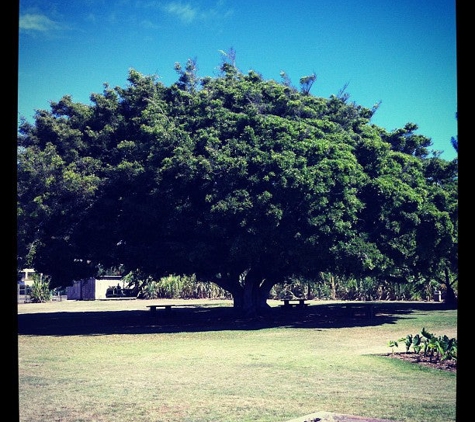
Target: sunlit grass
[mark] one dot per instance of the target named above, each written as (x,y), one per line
(272,374)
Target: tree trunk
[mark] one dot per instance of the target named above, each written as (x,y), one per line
(255,296)
(252,300)
(250,293)
(450,298)
(333,287)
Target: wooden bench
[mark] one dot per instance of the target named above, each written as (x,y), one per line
(289,303)
(167,306)
(153,308)
(365,310)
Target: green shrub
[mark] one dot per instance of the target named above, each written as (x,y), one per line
(40,290)
(437,348)
(180,287)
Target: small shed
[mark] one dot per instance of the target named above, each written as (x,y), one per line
(96,288)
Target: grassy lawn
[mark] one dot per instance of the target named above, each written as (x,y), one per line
(116,361)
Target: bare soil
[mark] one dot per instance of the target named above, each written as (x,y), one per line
(431,362)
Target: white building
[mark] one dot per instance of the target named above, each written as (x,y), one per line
(26,276)
(96,288)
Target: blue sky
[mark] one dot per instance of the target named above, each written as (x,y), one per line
(399,52)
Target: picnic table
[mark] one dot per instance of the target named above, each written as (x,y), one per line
(167,306)
(153,308)
(298,302)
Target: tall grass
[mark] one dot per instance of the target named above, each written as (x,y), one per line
(187,287)
(326,286)
(181,287)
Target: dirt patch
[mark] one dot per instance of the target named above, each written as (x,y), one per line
(420,359)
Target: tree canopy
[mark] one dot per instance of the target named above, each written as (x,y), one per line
(239,180)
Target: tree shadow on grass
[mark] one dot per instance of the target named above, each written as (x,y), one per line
(201,319)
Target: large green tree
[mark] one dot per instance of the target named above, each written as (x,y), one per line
(242,181)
